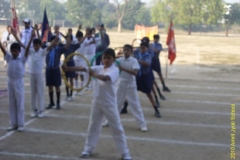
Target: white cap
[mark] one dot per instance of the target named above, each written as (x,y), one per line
(26,20)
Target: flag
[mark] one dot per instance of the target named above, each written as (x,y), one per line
(45,27)
(15,23)
(171,44)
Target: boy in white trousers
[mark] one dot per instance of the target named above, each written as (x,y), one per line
(104,104)
(127,88)
(16,71)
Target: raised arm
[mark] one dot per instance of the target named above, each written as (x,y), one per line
(29,43)
(13,32)
(52,43)
(37,30)
(3,49)
(68,41)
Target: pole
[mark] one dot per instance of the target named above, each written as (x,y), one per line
(166,70)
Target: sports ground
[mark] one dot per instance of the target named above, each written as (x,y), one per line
(195,123)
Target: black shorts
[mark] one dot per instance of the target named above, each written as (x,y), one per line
(70,74)
(53,77)
(156,66)
(145,82)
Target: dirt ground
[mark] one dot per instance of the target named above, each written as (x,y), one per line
(195,123)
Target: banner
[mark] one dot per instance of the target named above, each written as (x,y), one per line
(171,44)
(143,31)
(45,27)
(15,23)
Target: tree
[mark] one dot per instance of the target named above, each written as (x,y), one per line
(33,9)
(232,16)
(83,11)
(188,12)
(124,7)
(5,9)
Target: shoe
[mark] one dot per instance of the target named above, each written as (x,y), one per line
(70,98)
(162,97)
(144,129)
(166,89)
(11,128)
(50,106)
(40,114)
(58,107)
(124,111)
(126,157)
(85,154)
(34,114)
(157,113)
(20,129)
(157,103)
(105,124)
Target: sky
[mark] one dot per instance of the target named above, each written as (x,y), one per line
(228,1)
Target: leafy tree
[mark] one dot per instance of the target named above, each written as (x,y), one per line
(188,12)
(83,11)
(5,9)
(232,16)
(33,9)
(123,8)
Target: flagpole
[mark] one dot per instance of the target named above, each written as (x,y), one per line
(166,70)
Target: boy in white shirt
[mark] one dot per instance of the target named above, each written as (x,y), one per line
(127,88)
(104,105)
(16,71)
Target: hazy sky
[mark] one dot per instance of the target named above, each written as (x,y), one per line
(228,1)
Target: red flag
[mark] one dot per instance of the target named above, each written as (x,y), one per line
(15,23)
(171,44)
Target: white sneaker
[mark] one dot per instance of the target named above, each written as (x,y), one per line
(144,129)
(85,154)
(11,128)
(20,128)
(34,114)
(41,114)
(105,124)
(80,93)
(126,157)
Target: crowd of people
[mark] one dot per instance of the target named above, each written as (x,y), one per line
(115,85)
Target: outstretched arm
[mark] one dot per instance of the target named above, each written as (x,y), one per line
(66,68)
(100,77)
(3,49)
(132,72)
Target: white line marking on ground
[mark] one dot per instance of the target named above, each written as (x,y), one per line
(148,121)
(204,87)
(167,141)
(26,123)
(42,156)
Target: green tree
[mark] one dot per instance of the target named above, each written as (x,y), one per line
(5,9)
(33,9)
(188,12)
(232,17)
(123,8)
(83,11)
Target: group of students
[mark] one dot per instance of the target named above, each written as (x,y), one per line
(113,84)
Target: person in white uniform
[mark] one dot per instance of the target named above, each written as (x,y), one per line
(79,62)
(104,104)
(127,88)
(16,71)
(7,40)
(26,32)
